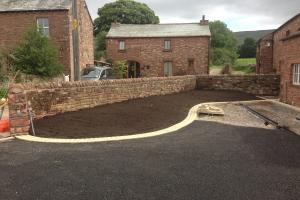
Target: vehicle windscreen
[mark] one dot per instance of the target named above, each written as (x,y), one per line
(91,72)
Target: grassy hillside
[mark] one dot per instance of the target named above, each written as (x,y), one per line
(241,36)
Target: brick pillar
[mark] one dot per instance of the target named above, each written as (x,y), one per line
(18,112)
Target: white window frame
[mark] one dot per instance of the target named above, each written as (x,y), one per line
(168,68)
(296,74)
(43,26)
(167,45)
(122,45)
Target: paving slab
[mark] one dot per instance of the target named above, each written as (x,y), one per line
(285,115)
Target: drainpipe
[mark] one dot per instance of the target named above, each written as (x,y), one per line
(75,34)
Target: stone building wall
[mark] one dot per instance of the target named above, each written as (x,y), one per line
(284,31)
(289,92)
(264,55)
(287,53)
(13,25)
(150,53)
(253,84)
(86,35)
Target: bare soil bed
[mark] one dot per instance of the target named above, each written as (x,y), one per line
(130,117)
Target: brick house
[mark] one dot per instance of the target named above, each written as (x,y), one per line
(155,50)
(66,22)
(284,50)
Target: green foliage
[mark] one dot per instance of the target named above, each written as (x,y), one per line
(36,55)
(221,56)
(6,61)
(120,69)
(245,65)
(3,93)
(246,61)
(224,44)
(248,48)
(241,66)
(125,12)
(244,69)
(121,11)
(100,45)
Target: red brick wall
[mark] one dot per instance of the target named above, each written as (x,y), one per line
(287,53)
(290,93)
(150,52)
(13,25)
(86,37)
(53,98)
(264,55)
(253,84)
(279,49)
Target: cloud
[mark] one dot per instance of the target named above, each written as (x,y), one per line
(238,14)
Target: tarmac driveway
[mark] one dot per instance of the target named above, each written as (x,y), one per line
(206,160)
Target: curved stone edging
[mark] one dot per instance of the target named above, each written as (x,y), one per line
(192,115)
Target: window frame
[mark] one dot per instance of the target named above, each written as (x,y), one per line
(296,74)
(169,66)
(124,46)
(167,45)
(191,62)
(42,27)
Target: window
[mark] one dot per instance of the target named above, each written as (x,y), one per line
(287,33)
(167,45)
(296,74)
(43,26)
(168,69)
(122,45)
(191,62)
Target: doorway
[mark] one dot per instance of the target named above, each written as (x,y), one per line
(134,69)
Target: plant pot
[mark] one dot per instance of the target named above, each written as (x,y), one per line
(4,126)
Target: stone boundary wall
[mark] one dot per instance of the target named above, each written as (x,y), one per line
(268,85)
(52,98)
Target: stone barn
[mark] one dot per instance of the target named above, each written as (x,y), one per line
(66,22)
(156,50)
(280,53)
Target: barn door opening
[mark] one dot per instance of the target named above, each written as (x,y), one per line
(134,69)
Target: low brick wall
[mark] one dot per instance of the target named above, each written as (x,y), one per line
(53,98)
(253,84)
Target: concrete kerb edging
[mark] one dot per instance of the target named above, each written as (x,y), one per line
(192,116)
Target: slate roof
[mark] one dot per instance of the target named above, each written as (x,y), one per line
(158,30)
(32,5)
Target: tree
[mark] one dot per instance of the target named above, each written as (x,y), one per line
(36,55)
(121,11)
(223,43)
(124,12)
(248,48)
(6,62)
(100,45)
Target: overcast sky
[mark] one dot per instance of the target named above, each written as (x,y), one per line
(239,15)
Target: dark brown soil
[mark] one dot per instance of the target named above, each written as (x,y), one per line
(130,117)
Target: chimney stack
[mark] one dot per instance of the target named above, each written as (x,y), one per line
(204,22)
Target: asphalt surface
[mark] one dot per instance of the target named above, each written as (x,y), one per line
(205,160)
